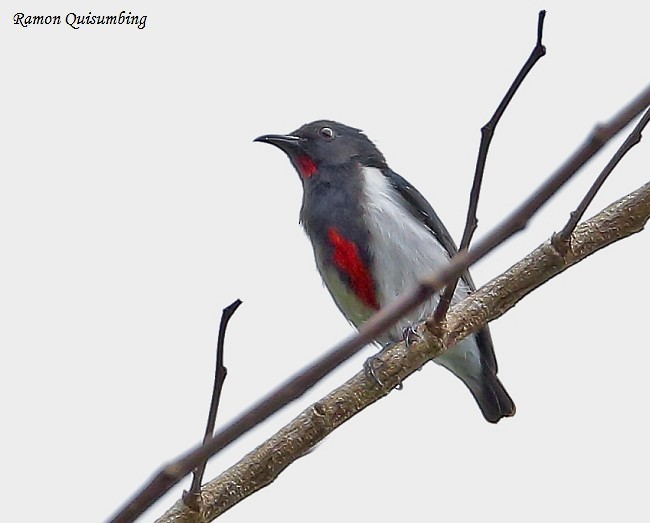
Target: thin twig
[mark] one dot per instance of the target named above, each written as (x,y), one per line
(560,240)
(385,318)
(487,132)
(192,498)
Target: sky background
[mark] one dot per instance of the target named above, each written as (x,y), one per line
(134,206)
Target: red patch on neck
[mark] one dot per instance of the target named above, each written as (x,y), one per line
(306,166)
(348,260)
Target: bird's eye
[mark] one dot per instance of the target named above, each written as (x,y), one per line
(326,133)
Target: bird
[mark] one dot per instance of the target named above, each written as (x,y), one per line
(374,236)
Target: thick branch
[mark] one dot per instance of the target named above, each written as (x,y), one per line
(260,467)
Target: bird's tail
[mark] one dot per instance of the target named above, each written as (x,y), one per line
(492,398)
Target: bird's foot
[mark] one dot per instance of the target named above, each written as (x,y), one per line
(410,334)
(371,366)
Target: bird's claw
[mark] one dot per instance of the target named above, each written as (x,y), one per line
(371,370)
(411,335)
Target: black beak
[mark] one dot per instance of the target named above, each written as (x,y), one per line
(285,142)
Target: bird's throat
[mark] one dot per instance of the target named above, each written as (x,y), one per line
(306,166)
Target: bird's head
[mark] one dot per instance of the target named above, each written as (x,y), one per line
(325,144)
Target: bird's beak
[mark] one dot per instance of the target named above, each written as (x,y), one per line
(285,142)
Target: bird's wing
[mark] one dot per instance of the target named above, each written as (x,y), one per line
(421,209)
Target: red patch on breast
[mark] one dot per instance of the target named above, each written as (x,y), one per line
(348,261)
(306,166)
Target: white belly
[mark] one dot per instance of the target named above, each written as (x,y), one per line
(403,249)
(403,252)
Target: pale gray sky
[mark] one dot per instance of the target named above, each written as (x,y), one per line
(134,206)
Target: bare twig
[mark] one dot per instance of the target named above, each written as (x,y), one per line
(385,318)
(560,239)
(487,132)
(192,498)
(264,464)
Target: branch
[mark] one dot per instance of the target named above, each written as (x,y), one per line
(192,498)
(487,132)
(560,239)
(259,468)
(385,318)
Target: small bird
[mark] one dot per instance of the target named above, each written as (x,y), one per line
(374,236)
